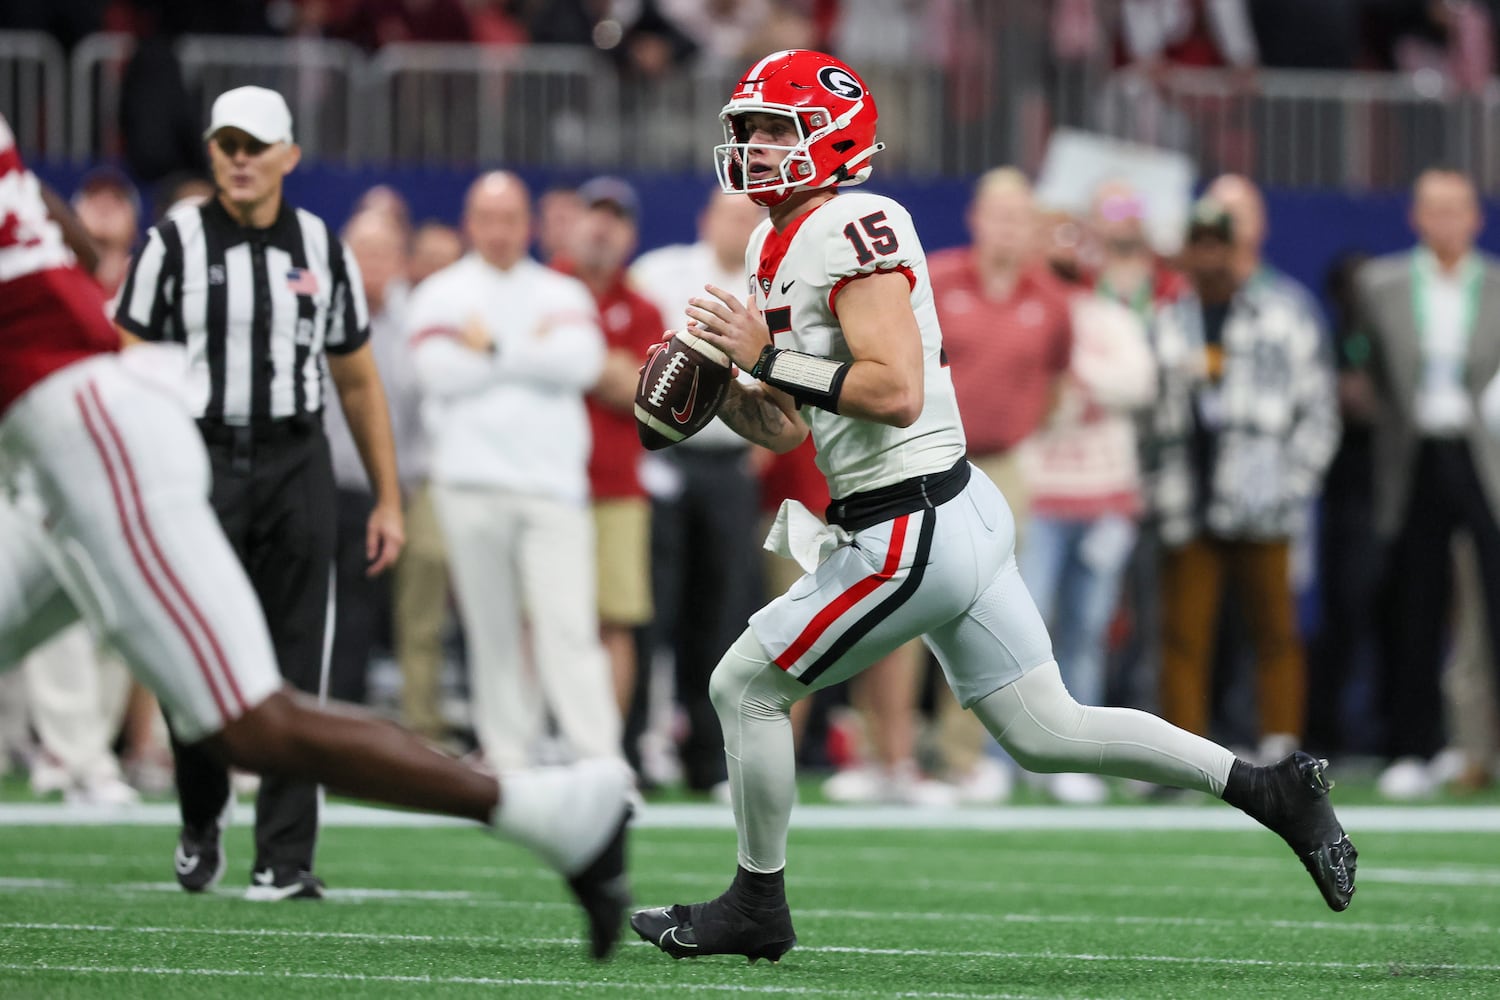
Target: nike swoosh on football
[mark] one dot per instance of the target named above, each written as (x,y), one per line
(682,415)
(787,284)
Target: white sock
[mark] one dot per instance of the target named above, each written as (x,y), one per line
(564,814)
(1044,729)
(754,700)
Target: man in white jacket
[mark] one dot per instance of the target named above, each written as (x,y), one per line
(504,351)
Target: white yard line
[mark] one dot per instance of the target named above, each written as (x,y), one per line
(945,953)
(673,988)
(1204,818)
(1351,927)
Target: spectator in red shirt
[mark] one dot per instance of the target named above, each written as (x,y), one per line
(1005,328)
(1008,337)
(597,250)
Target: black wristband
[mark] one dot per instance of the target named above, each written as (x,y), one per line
(809,379)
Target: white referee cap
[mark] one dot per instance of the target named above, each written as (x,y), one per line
(262,113)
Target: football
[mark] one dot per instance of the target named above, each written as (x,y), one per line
(682,384)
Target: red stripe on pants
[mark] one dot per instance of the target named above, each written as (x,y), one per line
(848,599)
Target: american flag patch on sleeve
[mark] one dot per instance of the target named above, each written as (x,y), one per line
(302,281)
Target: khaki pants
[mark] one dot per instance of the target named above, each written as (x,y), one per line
(961,737)
(419,612)
(1193,579)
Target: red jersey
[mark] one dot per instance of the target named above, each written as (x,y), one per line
(51,313)
(1004,356)
(632,324)
(794,476)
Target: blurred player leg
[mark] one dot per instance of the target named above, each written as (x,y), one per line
(124,473)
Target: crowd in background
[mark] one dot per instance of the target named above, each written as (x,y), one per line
(1192,453)
(652,37)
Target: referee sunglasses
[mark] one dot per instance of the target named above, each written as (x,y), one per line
(231,145)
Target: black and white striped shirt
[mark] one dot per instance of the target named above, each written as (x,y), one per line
(256,308)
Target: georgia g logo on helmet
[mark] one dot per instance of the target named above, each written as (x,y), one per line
(837,80)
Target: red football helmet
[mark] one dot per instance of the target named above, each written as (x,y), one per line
(834,115)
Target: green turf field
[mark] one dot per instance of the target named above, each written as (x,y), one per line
(1216,909)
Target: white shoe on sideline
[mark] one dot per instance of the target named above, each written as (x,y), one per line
(860,784)
(988,782)
(1448,766)
(1407,779)
(103,790)
(1078,789)
(48,775)
(1273,747)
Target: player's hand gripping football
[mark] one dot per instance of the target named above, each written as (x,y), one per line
(738,331)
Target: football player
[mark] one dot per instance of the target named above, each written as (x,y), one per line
(126,539)
(839,330)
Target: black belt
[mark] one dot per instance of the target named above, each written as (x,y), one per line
(860,510)
(257,432)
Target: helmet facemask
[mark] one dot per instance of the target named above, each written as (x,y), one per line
(732,157)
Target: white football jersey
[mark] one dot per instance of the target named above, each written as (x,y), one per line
(794,278)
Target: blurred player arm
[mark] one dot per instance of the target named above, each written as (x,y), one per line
(74,235)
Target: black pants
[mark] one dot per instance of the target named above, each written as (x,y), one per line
(1417,592)
(706,582)
(362,603)
(275,499)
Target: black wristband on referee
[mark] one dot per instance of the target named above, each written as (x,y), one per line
(807,378)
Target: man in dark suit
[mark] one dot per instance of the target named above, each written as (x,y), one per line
(1433,318)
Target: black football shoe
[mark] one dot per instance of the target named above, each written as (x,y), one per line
(199,859)
(603,890)
(1291,798)
(743,921)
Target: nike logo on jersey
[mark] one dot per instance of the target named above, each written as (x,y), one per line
(682,415)
(185,865)
(787,284)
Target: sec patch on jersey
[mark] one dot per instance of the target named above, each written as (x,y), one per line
(682,384)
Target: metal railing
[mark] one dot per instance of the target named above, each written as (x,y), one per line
(1310,129)
(32,84)
(571,106)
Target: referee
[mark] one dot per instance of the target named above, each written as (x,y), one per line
(259,292)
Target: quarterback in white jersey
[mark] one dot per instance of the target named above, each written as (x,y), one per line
(839,331)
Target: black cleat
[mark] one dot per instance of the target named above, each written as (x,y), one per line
(199,859)
(1292,801)
(732,924)
(603,891)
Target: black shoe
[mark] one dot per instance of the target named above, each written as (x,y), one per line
(199,859)
(603,890)
(1292,800)
(270,885)
(732,924)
